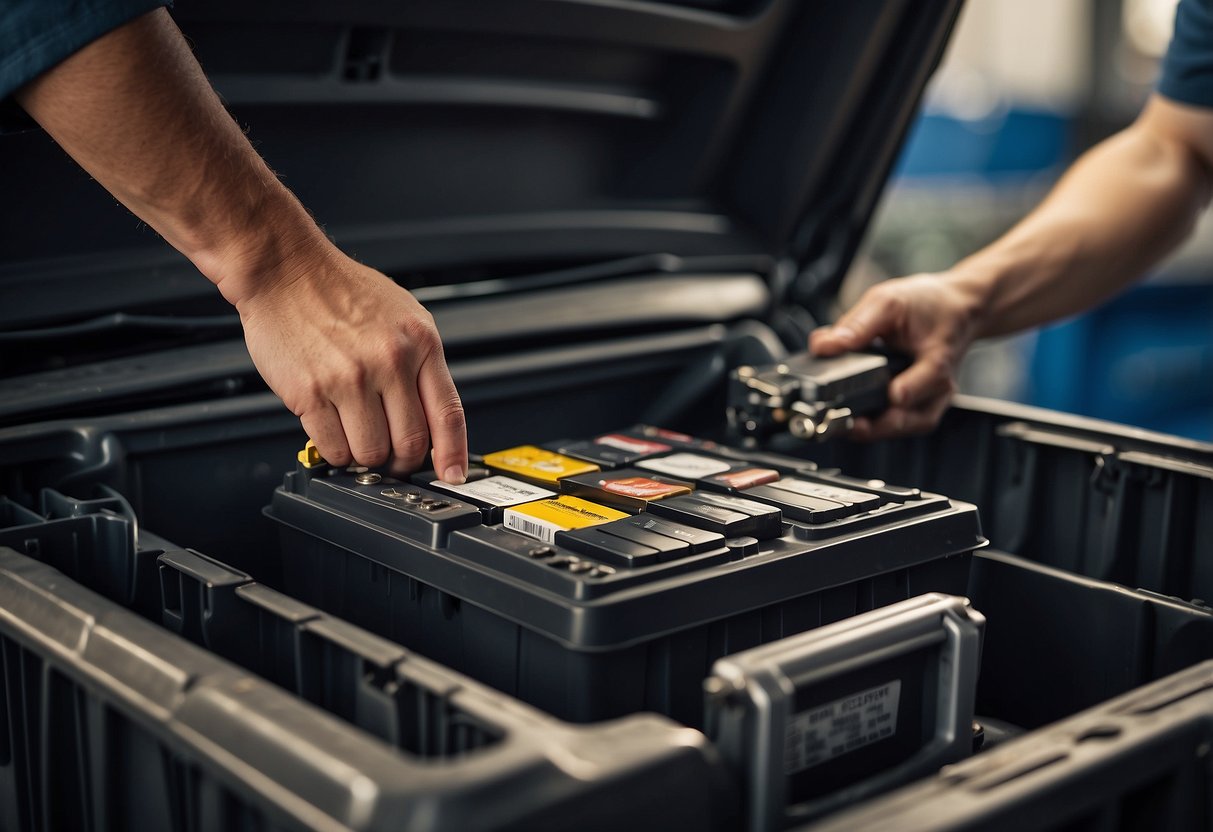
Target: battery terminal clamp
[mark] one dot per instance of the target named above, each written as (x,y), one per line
(811,397)
(310,457)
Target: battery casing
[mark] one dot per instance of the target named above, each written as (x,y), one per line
(591,638)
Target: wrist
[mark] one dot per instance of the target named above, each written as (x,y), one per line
(975,285)
(275,246)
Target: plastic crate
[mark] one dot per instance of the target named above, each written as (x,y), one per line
(110,721)
(1138,762)
(1097,499)
(1055,642)
(496,605)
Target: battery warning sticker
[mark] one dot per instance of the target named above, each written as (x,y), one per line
(842,726)
(498,491)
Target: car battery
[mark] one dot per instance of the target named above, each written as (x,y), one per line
(589,610)
(838,714)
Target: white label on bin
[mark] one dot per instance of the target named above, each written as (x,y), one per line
(691,466)
(498,491)
(840,727)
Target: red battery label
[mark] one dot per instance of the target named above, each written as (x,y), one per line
(643,488)
(747,478)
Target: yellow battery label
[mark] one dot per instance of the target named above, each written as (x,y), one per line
(537,464)
(544,518)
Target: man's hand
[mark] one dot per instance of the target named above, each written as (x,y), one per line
(933,318)
(1125,204)
(352,354)
(360,362)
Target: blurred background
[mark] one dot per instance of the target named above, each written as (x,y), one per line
(1026,86)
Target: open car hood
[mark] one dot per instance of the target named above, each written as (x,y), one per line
(449,140)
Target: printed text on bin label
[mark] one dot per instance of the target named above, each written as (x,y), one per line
(841,726)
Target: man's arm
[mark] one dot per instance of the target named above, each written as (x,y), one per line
(355,356)
(1124,205)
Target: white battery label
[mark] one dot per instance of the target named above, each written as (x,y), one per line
(825,492)
(498,491)
(691,466)
(544,530)
(842,726)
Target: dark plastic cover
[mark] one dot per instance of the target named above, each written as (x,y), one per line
(442,139)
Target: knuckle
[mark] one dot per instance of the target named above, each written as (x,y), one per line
(450,415)
(371,454)
(421,331)
(394,354)
(343,373)
(307,399)
(333,453)
(355,375)
(881,296)
(411,445)
(938,366)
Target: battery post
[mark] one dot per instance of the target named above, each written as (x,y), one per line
(310,456)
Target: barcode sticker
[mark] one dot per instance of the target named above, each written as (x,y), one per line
(842,726)
(546,517)
(544,530)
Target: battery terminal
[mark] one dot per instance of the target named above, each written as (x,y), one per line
(310,457)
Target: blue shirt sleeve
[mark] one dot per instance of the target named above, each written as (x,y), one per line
(36,35)
(1187,68)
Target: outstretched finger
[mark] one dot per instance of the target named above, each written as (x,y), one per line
(444,414)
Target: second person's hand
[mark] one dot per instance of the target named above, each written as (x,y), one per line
(933,318)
